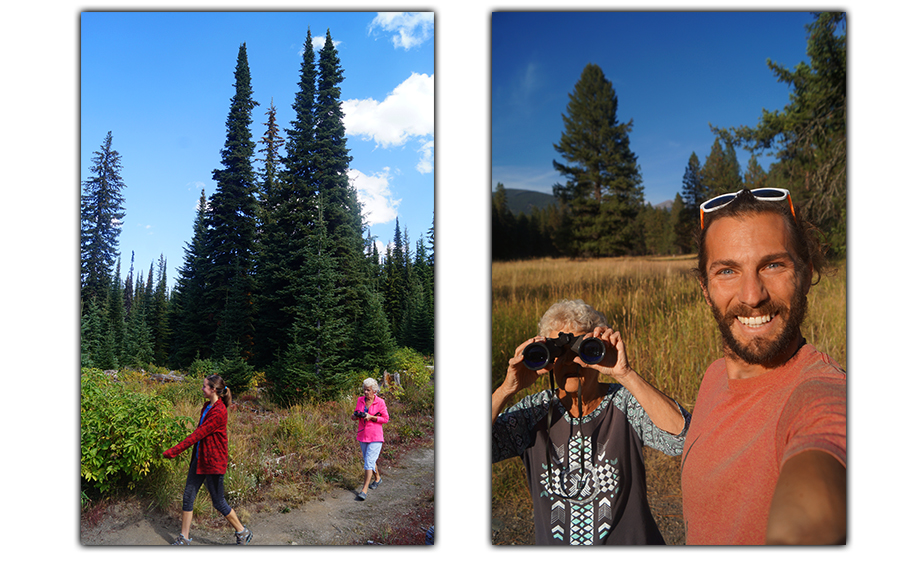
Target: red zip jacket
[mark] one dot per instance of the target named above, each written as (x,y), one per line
(212,439)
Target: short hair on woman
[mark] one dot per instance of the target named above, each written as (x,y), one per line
(371,383)
(571,315)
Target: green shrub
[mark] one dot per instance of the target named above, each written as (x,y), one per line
(201,368)
(123,433)
(188,391)
(412,366)
(236,372)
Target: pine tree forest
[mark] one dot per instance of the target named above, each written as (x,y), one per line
(600,211)
(280,274)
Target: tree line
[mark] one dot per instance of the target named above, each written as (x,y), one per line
(600,209)
(280,274)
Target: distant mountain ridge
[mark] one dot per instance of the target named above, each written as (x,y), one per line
(523,201)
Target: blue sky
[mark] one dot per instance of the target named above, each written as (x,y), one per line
(673,73)
(162,84)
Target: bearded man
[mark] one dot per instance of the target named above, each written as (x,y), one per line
(765,456)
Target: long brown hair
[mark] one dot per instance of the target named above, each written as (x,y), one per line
(218,384)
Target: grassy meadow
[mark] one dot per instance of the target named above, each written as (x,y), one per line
(669,334)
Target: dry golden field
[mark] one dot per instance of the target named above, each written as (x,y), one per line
(670,337)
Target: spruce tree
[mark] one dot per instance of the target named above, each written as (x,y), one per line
(102,211)
(190,317)
(233,224)
(270,145)
(394,285)
(288,217)
(721,172)
(116,317)
(159,313)
(338,202)
(603,191)
(693,194)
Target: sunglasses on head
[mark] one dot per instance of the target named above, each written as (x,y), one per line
(764,194)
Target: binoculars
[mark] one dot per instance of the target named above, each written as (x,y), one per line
(539,354)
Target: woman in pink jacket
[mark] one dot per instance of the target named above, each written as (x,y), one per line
(371,412)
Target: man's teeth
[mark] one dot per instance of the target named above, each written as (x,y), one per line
(755,321)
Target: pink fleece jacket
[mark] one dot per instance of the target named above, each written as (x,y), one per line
(370,431)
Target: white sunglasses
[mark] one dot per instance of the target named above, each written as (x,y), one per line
(763,194)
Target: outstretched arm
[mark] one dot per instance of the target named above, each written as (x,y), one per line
(809,505)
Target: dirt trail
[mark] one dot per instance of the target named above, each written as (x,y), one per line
(335,519)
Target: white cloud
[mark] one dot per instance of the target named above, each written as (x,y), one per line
(406,112)
(408,29)
(426,161)
(319,42)
(375,195)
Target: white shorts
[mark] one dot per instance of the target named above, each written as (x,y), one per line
(370,452)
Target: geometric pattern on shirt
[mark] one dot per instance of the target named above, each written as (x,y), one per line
(574,482)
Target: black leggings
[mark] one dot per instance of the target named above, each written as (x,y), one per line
(215,484)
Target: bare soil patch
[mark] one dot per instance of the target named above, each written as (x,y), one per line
(398,512)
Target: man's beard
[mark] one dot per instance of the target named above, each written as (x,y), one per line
(757,350)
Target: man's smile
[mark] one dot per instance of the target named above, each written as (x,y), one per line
(755,321)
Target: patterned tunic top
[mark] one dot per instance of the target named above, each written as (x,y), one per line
(589,486)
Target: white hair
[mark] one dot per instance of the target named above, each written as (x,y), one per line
(572,315)
(370,383)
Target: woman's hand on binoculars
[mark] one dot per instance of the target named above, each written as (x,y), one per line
(518,376)
(615,363)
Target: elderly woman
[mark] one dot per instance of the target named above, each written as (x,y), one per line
(371,412)
(582,444)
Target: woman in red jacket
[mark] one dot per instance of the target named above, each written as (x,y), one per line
(209,459)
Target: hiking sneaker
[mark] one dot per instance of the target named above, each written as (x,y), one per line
(243,538)
(374,484)
(182,540)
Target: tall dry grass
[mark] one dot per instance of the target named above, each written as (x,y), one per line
(656,304)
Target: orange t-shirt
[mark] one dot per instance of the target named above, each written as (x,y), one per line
(741,433)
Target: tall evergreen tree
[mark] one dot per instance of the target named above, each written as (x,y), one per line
(603,191)
(340,207)
(232,223)
(721,172)
(809,135)
(116,308)
(102,211)
(693,193)
(191,338)
(269,146)
(159,314)
(395,283)
(128,295)
(315,360)
(755,176)
(679,244)
(288,216)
